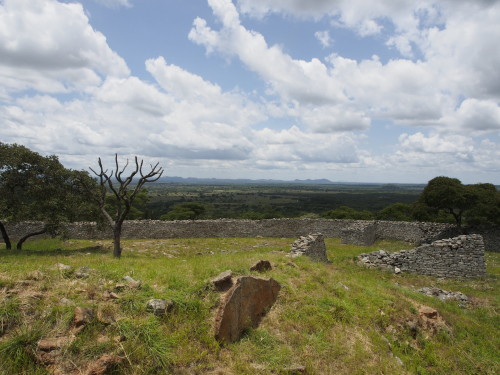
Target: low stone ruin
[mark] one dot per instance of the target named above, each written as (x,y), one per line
(361,233)
(312,246)
(461,256)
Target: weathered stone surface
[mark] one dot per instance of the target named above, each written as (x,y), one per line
(132,283)
(83,315)
(104,364)
(461,256)
(35,275)
(312,246)
(62,267)
(361,233)
(262,266)
(83,272)
(444,295)
(243,306)
(223,281)
(414,232)
(53,343)
(159,306)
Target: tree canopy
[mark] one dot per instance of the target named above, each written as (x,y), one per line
(185,211)
(39,188)
(474,204)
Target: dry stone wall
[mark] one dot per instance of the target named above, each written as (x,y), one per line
(351,231)
(461,256)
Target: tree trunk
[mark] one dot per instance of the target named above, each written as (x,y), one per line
(5,236)
(117,232)
(21,241)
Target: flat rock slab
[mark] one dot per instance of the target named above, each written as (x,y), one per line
(223,281)
(243,306)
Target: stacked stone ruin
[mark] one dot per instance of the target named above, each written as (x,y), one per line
(359,232)
(312,245)
(461,256)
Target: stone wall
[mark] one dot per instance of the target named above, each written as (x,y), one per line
(351,231)
(461,256)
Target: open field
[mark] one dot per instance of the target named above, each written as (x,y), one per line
(334,318)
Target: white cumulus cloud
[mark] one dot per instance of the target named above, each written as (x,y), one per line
(50,46)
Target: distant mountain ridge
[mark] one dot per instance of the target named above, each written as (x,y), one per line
(195,180)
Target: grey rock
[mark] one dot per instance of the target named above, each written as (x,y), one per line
(159,306)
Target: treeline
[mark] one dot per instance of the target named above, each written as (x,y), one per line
(36,187)
(443,199)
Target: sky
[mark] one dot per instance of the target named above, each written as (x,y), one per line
(347,90)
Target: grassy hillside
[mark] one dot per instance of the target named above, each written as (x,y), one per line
(334,318)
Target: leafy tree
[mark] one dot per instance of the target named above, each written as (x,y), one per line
(119,185)
(473,204)
(396,212)
(185,211)
(39,188)
(344,212)
(448,194)
(487,207)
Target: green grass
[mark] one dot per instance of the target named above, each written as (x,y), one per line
(335,318)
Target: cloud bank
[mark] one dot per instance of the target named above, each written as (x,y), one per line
(64,90)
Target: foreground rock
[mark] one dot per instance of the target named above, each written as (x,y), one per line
(243,306)
(312,246)
(262,266)
(223,281)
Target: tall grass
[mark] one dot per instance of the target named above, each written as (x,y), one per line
(335,318)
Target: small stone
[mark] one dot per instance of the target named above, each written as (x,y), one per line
(104,364)
(159,306)
(223,281)
(82,272)
(294,370)
(261,266)
(62,267)
(397,270)
(83,315)
(110,295)
(132,283)
(53,343)
(35,275)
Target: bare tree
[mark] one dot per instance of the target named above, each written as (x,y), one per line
(119,186)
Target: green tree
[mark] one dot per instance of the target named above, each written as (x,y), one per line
(39,188)
(396,212)
(344,212)
(450,195)
(185,211)
(486,210)
(121,188)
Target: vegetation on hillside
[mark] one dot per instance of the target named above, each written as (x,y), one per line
(336,318)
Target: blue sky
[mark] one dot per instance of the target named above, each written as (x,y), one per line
(341,89)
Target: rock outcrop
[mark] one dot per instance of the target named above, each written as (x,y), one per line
(243,306)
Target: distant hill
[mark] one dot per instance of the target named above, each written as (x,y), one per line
(216,181)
